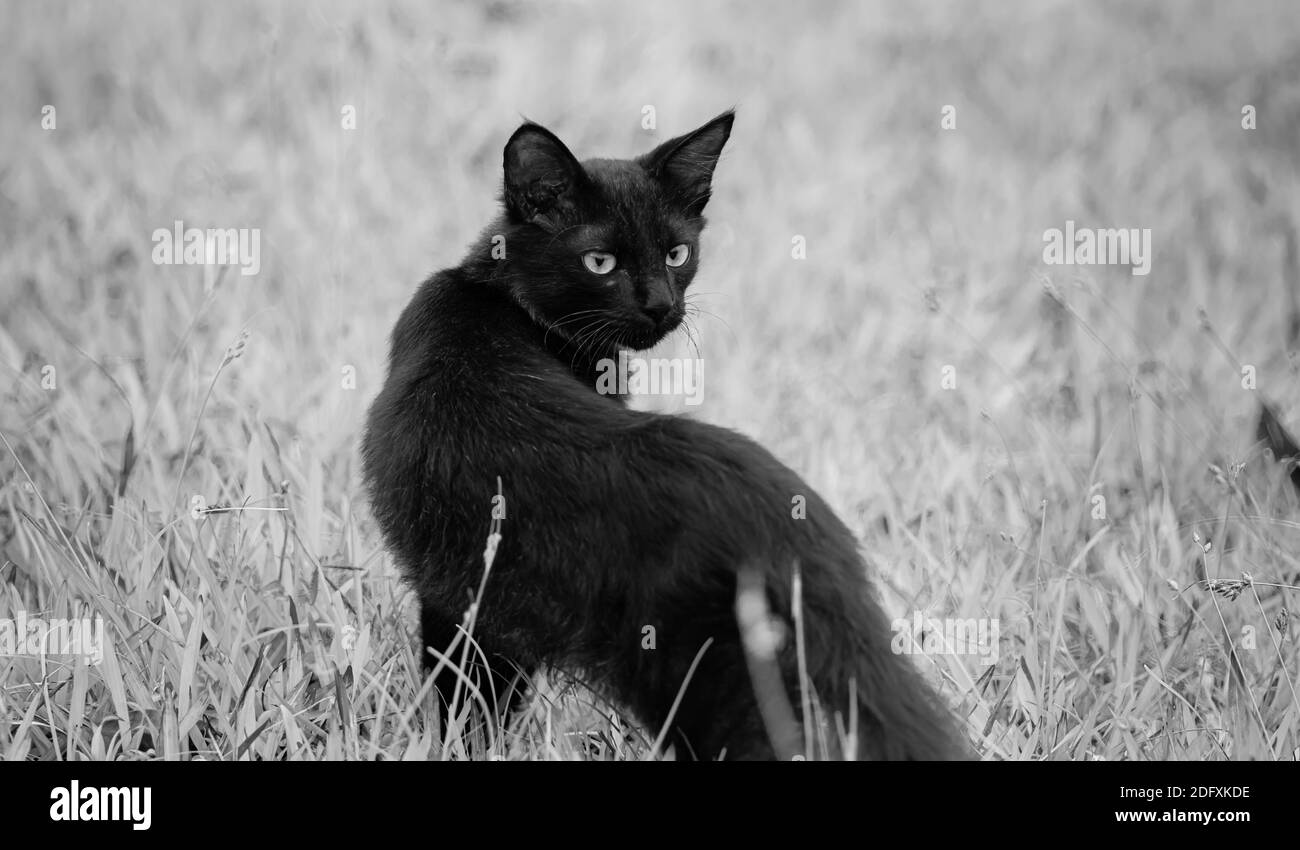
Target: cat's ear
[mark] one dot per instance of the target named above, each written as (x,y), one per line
(684,165)
(543,178)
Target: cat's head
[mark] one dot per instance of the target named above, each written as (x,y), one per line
(601,252)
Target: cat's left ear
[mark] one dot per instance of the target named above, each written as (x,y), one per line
(684,165)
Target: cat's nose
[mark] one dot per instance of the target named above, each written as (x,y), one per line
(657,310)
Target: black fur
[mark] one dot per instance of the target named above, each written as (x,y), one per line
(615,519)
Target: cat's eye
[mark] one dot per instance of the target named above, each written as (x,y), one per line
(599,262)
(678,255)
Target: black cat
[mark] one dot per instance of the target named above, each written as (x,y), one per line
(616,520)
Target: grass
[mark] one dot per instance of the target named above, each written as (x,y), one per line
(1092,480)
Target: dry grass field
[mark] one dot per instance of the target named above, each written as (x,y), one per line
(1070,450)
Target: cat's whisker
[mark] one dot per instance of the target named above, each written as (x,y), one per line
(612,338)
(690,337)
(700,311)
(601,339)
(577,339)
(581,339)
(570,317)
(596,323)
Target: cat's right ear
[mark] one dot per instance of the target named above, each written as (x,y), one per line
(543,178)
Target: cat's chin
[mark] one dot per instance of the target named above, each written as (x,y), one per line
(646,340)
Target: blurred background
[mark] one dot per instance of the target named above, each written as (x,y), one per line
(364,141)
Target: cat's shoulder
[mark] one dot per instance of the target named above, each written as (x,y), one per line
(450,307)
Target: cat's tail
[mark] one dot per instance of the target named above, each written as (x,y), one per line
(839,661)
(901,715)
